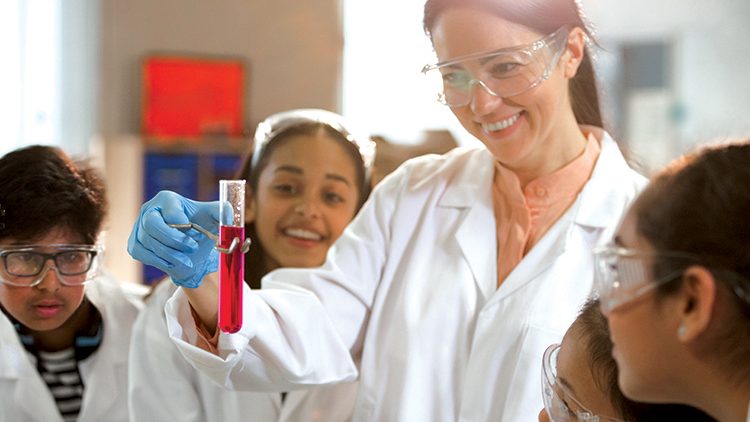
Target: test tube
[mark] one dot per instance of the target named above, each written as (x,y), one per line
(231,265)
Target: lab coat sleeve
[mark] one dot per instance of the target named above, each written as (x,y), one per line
(161,382)
(305,327)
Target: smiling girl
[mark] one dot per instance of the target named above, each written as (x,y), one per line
(308,176)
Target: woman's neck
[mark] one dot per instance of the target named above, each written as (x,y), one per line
(563,145)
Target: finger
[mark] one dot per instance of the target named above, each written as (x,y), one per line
(154,226)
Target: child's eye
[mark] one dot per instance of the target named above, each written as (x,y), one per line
(285,188)
(333,198)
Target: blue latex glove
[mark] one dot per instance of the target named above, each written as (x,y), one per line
(186,256)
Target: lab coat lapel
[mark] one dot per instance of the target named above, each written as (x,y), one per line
(550,247)
(598,206)
(475,232)
(108,365)
(29,391)
(27,394)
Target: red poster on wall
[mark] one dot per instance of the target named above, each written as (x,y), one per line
(189,97)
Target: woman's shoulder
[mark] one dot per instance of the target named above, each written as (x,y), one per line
(438,169)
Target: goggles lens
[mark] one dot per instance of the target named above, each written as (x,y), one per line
(502,73)
(557,398)
(622,275)
(22,264)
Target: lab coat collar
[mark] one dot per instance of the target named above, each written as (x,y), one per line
(605,195)
(475,232)
(473,184)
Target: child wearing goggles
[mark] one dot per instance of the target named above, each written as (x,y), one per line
(675,285)
(308,173)
(64,326)
(579,380)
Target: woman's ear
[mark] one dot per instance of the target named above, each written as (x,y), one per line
(573,55)
(250,206)
(697,299)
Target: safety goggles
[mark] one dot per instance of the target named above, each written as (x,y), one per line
(623,275)
(559,403)
(273,125)
(502,73)
(26,265)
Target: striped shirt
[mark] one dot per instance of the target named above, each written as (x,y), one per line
(59,370)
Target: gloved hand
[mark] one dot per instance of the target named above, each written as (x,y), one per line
(186,256)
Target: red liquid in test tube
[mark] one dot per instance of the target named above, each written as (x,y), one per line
(231,277)
(231,265)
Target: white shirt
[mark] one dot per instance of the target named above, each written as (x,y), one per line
(25,397)
(410,289)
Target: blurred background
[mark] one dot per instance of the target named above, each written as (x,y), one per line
(673,75)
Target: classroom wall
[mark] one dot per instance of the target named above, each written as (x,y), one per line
(293,50)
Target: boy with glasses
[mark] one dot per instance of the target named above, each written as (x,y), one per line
(64,328)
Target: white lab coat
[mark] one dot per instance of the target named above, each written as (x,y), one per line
(410,288)
(165,388)
(24,396)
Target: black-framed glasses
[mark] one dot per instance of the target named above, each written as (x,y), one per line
(22,264)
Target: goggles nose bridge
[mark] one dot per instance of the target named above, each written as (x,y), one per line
(470,86)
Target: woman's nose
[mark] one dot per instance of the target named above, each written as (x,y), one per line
(483,101)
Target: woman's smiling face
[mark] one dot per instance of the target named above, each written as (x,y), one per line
(307,194)
(522,131)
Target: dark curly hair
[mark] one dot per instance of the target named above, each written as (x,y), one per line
(41,189)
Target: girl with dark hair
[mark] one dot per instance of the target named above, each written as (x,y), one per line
(460,269)
(675,286)
(579,380)
(308,175)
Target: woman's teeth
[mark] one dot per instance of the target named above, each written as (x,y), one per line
(491,127)
(303,234)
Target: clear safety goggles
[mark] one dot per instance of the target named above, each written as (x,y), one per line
(560,404)
(502,73)
(623,275)
(26,265)
(279,122)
